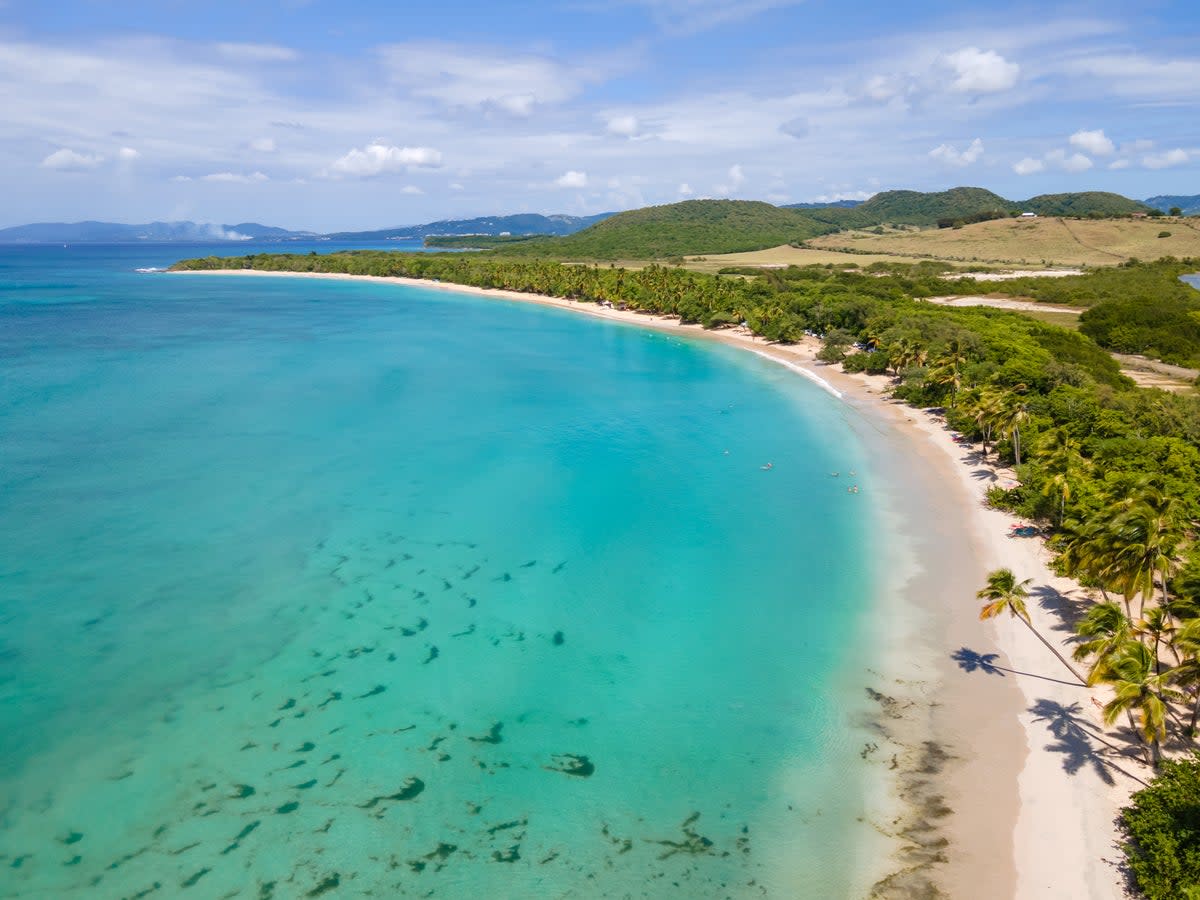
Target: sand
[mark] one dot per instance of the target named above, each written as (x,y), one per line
(1031,787)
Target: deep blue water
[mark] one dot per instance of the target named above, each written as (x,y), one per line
(309,583)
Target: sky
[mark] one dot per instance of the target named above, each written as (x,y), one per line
(326,114)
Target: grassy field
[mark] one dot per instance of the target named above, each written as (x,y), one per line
(1030,242)
(780,257)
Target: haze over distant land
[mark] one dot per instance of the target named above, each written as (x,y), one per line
(320,117)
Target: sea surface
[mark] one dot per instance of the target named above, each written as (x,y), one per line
(315,588)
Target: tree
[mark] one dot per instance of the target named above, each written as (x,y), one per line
(1013,412)
(1139,687)
(1004,593)
(1060,457)
(1175,211)
(1162,824)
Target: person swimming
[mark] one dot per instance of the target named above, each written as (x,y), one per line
(769,465)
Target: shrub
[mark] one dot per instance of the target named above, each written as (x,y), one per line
(1163,830)
(1163,234)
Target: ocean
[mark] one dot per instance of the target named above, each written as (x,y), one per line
(337,588)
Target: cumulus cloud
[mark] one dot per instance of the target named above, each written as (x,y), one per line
(236,177)
(572,179)
(127,154)
(384,159)
(623,126)
(411,189)
(685,190)
(1074,162)
(981,71)
(181,177)
(1117,164)
(1167,160)
(1094,142)
(736,176)
(256,52)
(843,195)
(263,145)
(65,160)
(951,156)
(1029,166)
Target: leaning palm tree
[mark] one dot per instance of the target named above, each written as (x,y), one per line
(1004,593)
(1012,414)
(1137,686)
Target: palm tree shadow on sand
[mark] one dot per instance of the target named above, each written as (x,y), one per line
(1079,741)
(973,661)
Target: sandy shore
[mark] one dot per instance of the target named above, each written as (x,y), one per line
(1016,756)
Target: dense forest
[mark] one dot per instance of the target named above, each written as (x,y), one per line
(1110,471)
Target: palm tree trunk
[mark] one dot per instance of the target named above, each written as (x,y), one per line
(1062,659)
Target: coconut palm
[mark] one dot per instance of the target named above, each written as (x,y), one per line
(1105,630)
(1139,687)
(1061,459)
(1013,412)
(1004,593)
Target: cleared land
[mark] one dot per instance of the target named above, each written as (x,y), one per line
(1030,242)
(781,257)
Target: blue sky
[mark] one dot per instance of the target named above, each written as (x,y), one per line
(326,115)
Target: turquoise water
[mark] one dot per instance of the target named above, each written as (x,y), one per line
(320,588)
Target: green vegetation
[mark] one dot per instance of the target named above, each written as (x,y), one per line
(1162,826)
(1133,308)
(695,227)
(678,229)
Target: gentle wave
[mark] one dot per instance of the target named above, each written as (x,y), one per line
(149,269)
(800,370)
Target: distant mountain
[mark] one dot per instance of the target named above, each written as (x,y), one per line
(1190,206)
(112,232)
(836,204)
(520,224)
(970,204)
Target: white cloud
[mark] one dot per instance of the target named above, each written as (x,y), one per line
(982,71)
(383,159)
(1117,164)
(263,145)
(455,186)
(1074,163)
(624,126)
(256,52)
(476,77)
(181,177)
(951,156)
(1094,142)
(572,179)
(1029,166)
(736,176)
(844,195)
(1167,160)
(65,160)
(128,154)
(411,189)
(685,190)
(236,177)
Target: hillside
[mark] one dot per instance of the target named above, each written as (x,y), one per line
(836,204)
(1031,242)
(677,229)
(970,204)
(1085,203)
(1189,206)
(520,224)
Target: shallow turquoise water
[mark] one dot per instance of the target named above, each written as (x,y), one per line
(366,590)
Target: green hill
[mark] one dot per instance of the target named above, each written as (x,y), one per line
(1189,205)
(918,208)
(677,229)
(1082,204)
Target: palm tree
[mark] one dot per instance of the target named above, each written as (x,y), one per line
(1062,460)
(1138,686)
(1004,593)
(1012,414)
(1106,630)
